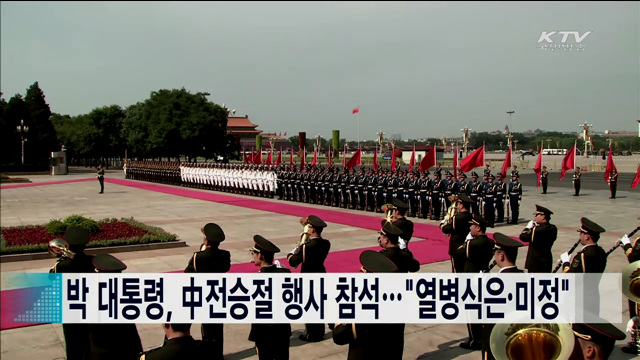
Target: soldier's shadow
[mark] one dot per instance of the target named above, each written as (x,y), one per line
(445,351)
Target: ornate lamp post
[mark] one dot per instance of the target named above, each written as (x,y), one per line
(22,130)
(586,136)
(465,139)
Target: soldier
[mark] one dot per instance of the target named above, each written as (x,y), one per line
(576,181)
(399,210)
(76,336)
(613,183)
(595,341)
(541,235)
(515,195)
(501,187)
(370,187)
(413,188)
(361,187)
(478,251)
(352,182)
(381,183)
(505,255)
(437,188)
(514,172)
(100,177)
(312,255)
(489,197)
(449,186)
(179,345)
(544,174)
(372,341)
(458,228)
(487,171)
(272,340)
(402,184)
(388,240)
(103,336)
(463,185)
(425,195)
(476,193)
(211,259)
(632,251)
(590,259)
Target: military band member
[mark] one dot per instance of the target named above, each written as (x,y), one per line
(505,256)
(632,251)
(372,341)
(458,229)
(399,210)
(211,259)
(311,256)
(595,341)
(272,340)
(613,183)
(76,336)
(103,336)
(478,250)
(544,174)
(541,235)
(179,344)
(515,195)
(576,181)
(388,240)
(501,187)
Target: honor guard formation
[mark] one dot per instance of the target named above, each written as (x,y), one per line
(467,210)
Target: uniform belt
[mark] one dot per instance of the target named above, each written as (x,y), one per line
(472,194)
(514,193)
(499,193)
(436,192)
(400,188)
(380,187)
(342,184)
(488,196)
(370,186)
(389,187)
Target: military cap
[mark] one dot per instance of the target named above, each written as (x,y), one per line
(504,242)
(213,232)
(490,176)
(601,333)
(400,204)
(501,175)
(375,262)
(316,221)
(426,172)
(464,198)
(473,173)
(590,227)
(76,236)
(108,263)
(437,173)
(263,245)
(542,210)
(515,174)
(448,173)
(477,220)
(463,175)
(389,229)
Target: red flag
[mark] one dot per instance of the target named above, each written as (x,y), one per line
(637,179)
(244,156)
(610,165)
(375,159)
(269,158)
(303,158)
(329,158)
(412,163)
(455,164)
(315,157)
(291,157)
(429,160)
(355,160)
(257,159)
(356,110)
(473,160)
(507,162)
(279,159)
(393,158)
(569,161)
(538,167)
(344,158)
(285,133)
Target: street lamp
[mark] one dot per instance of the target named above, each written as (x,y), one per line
(22,130)
(549,140)
(586,136)
(509,137)
(515,147)
(465,138)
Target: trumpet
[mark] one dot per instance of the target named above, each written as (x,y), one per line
(60,248)
(453,209)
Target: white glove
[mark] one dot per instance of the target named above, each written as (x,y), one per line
(402,244)
(531,224)
(277,264)
(443,221)
(565,258)
(293,251)
(469,237)
(519,202)
(634,322)
(625,240)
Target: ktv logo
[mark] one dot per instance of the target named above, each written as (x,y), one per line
(560,40)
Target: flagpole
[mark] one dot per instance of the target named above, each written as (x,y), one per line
(358,126)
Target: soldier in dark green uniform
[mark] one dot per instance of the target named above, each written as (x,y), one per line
(505,255)
(632,251)
(388,241)
(179,344)
(399,210)
(544,179)
(211,259)
(101,178)
(103,336)
(311,255)
(458,229)
(372,341)
(595,341)
(478,249)
(541,235)
(76,336)
(272,340)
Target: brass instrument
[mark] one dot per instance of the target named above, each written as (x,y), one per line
(631,289)
(453,209)
(304,236)
(388,210)
(532,341)
(203,247)
(60,248)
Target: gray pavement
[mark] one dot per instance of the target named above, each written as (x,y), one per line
(185,217)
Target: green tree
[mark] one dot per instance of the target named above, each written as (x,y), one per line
(42,139)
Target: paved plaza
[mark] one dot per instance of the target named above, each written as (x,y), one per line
(185,216)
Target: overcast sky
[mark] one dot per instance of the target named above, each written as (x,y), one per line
(419,69)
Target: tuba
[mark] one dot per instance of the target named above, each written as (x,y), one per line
(304,236)
(631,289)
(60,248)
(388,210)
(532,341)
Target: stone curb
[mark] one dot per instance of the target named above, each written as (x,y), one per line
(95,251)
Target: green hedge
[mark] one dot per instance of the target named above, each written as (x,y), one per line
(58,227)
